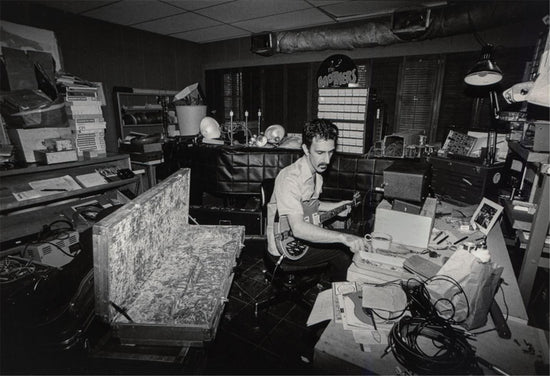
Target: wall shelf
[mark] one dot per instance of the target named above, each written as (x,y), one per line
(17,180)
(132,101)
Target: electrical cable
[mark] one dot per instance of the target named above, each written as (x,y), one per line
(450,354)
(427,342)
(276,267)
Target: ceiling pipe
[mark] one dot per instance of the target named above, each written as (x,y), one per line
(446,21)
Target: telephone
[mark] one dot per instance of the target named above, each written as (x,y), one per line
(125,173)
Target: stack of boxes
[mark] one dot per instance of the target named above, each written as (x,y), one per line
(83,107)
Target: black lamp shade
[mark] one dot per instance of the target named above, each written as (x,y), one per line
(485,72)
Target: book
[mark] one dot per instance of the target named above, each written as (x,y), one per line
(87,124)
(88,109)
(59,184)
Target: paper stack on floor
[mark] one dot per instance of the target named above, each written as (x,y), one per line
(368,310)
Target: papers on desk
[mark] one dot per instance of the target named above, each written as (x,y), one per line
(60,184)
(46,187)
(322,309)
(91,180)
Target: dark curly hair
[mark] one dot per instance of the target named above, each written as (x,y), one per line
(322,128)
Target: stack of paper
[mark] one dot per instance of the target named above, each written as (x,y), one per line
(369,310)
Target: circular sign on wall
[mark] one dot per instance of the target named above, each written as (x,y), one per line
(337,71)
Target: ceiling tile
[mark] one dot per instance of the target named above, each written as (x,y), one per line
(322,3)
(247,9)
(177,24)
(212,34)
(367,8)
(195,4)
(75,6)
(129,12)
(287,21)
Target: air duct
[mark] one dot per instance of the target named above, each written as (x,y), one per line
(445,21)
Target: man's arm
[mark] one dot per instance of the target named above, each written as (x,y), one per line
(307,231)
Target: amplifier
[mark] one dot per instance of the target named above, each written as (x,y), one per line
(252,220)
(465,182)
(407,181)
(55,252)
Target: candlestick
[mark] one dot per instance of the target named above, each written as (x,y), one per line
(246,126)
(231,128)
(259,120)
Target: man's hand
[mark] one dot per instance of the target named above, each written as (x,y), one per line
(355,243)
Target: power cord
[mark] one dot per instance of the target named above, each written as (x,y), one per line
(427,342)
(49,234)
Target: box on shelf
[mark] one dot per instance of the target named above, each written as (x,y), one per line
(52,116)
(158,279)
(52,157)
(154,156)
(128,147)
(26,141)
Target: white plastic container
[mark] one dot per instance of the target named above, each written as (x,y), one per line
(189,119)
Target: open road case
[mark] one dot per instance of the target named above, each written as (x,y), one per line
(158,279)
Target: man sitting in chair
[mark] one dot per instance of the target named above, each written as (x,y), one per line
(294,209)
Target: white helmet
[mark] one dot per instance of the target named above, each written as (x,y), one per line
(210,128)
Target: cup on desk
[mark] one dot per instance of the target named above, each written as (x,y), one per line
(379,240)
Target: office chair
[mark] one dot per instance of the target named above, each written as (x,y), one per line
(288,282)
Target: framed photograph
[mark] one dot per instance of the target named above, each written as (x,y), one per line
(486,215)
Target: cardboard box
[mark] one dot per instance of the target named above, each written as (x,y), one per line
(52,157)
(158,279)
(26,141)
(406,228)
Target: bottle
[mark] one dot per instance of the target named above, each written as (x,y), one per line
(482,253)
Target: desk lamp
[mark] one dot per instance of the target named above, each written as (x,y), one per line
(485,72)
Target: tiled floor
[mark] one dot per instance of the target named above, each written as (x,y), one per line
(277,342)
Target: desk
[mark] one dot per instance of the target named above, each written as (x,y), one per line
(336,351)
(150,170)
(17,180)
(36,212)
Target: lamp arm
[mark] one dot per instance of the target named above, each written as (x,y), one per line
(494,104)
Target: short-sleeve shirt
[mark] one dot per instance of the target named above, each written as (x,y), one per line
(294,185)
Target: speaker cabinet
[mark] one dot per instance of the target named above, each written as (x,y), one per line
(407,181)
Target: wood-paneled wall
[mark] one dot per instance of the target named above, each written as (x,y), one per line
(112,54)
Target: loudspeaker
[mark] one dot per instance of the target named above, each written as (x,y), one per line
(264,44)
(407,181)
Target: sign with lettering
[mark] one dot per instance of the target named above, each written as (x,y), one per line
(337,71)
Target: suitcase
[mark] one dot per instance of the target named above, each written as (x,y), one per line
(158,279)
(250,219)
